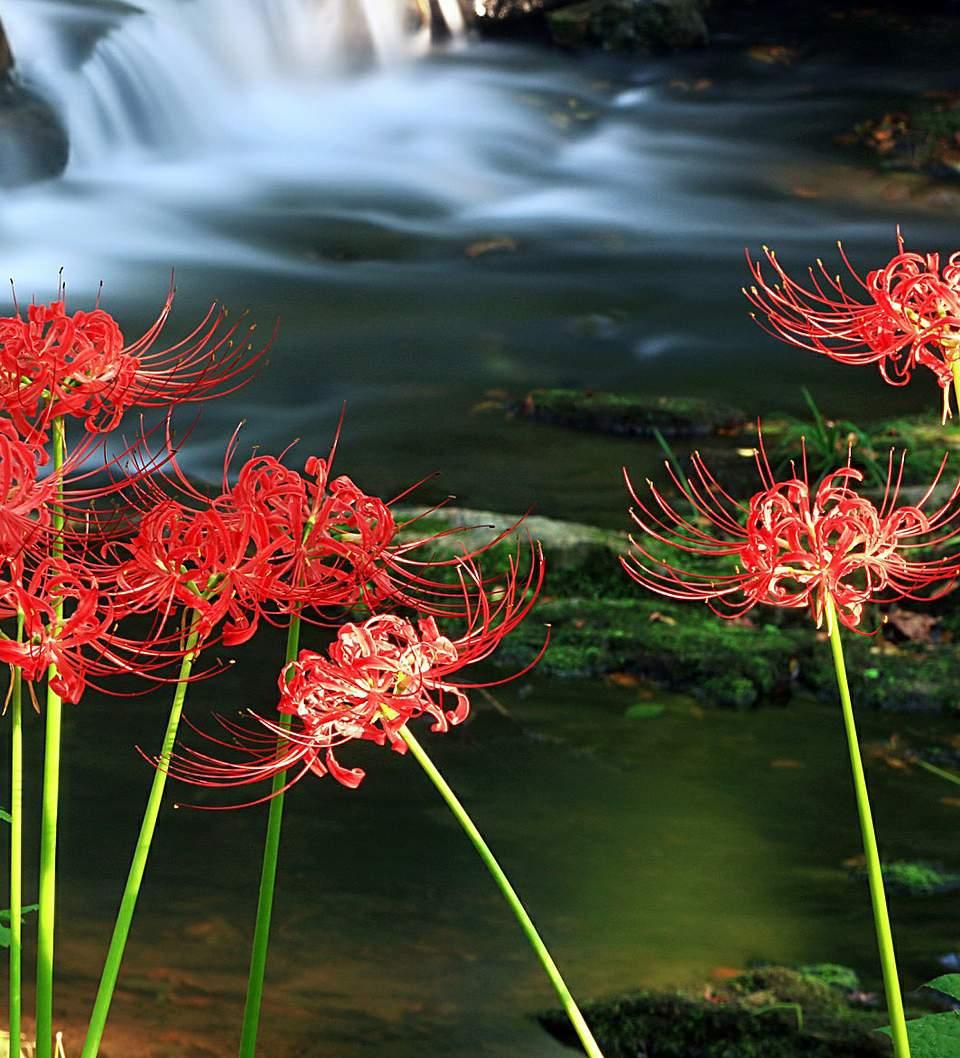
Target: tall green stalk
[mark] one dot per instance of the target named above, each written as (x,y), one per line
(128,902)
(881,918)
(16,850)
(268,881)
(526,923)
(50,796)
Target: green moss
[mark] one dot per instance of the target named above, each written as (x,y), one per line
(832,974)
(915,877)
(772,1012)
(686,648)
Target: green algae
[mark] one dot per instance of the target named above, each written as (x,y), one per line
(769,1012)
(914,877)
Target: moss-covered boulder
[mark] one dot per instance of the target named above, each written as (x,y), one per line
(722,664)
(633,415)
(773,1012)
(630,25)
(603,623)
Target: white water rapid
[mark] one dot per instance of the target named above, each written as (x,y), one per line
(168,73)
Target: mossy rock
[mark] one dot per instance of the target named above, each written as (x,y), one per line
(686,648)
(630,25)
(602,623)
(916,678)
(833,974)
(580,559)
(632,415)
(773,1012)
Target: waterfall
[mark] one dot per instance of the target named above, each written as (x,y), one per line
(166,75)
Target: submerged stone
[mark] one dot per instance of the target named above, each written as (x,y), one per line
(633,415)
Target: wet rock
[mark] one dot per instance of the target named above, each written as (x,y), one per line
(617,25)
(772,1012)
(632,415)
(630,25)
(6,56)
(510,10)
(33,140)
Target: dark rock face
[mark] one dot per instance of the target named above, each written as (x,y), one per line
(616,25)
(33,141)
(630,25)
(504,10)
(6,56)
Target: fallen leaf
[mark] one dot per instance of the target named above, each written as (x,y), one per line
(950,802)
(912,625)
(786,762)
(496,244)
(773,54)
(622,679)
(805,192)
(663,617)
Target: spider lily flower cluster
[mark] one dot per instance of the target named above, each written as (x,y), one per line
(793,544)
(85,553)
(900,317)
(375,678)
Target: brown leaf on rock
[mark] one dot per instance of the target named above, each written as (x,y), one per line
(911,624)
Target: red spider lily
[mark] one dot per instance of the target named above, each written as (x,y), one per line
(791,543)
(377,676)
(54,364)
(905,315)
(78,641)
(292,542)
(204,560)
(24,495)
(333,545)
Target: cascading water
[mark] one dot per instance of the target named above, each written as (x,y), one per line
(167,74)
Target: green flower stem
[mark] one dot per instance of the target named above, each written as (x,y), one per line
(16,850)
(891,980)
(128,903)
(50,796)
(934,770)
(526,923)
(268,882)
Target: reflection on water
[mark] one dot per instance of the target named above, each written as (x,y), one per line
(649,852)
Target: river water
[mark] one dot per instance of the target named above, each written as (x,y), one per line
(348,196)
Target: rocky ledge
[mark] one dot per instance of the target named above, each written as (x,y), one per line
(643,26)
(33,140)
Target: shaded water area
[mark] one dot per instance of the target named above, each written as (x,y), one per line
(344,202)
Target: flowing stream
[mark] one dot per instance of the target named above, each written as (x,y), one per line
(431,226)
